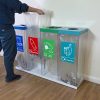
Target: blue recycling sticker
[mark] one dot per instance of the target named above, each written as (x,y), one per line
(19,40)
(67,52)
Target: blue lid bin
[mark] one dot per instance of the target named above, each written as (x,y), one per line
(72,45)
(21,45)
(20,37)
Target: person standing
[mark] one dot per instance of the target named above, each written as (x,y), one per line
(8,8)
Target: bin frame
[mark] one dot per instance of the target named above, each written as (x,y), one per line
(35,72)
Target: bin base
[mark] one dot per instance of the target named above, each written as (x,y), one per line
(48,76)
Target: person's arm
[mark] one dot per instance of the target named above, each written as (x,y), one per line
(20,7)
(39,11)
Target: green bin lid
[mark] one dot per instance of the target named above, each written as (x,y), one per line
(51,29)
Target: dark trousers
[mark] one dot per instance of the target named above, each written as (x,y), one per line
(8,44)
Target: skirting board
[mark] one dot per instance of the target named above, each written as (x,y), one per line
(92,79)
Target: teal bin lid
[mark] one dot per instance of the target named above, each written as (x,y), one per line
(73,31)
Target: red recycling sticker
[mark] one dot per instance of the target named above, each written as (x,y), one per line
(33,45)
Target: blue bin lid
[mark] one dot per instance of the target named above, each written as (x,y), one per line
(20,27)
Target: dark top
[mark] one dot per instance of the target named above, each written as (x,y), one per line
(8,8)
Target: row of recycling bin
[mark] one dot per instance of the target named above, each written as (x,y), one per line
(56,50)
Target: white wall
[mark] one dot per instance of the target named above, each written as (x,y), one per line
(81,13)
(20,18)
(77,13)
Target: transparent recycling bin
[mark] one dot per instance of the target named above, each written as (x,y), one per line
(72,44)
(49,45)
(28,51)
(21,45)
(33,43)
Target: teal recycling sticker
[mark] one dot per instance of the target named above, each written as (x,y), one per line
(67,52)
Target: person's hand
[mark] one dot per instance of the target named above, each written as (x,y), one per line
(40,12)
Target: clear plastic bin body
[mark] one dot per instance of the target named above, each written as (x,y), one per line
(33,50)
(21,46)
(71,56)
(49,47)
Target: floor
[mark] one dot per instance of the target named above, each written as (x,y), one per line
(30,87)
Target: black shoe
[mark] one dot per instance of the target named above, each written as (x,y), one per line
(15,77)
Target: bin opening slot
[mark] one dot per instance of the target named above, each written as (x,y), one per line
(73,28)
(54,27)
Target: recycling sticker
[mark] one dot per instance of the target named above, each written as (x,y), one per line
(67,52)
(19,42)
(33,45)
(48,48)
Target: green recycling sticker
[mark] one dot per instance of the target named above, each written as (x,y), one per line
(48,48)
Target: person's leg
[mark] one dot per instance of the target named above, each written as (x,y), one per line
(0,46)
(9,47)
